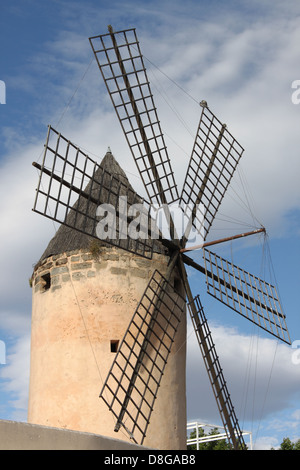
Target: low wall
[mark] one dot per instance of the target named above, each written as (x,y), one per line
(23,436)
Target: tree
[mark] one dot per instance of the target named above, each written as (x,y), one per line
(287,444)
(220,444)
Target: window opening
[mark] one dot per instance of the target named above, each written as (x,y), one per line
(114,344)
(47,282)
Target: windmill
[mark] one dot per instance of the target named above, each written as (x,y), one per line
(133,382)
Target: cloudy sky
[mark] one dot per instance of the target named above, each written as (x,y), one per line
(242,57)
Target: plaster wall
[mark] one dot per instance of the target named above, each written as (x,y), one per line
(24,436)
(82,304)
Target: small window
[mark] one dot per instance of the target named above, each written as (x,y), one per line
(114,344)
(46,278)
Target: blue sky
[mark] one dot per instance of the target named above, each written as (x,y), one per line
(241,57)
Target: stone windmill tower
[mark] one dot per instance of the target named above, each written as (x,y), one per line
(84,293)
(88,295)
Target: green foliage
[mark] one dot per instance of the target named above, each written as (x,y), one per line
(287,444)
(220,444)
(95,249)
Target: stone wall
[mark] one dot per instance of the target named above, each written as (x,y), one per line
(23,436)
(77,266)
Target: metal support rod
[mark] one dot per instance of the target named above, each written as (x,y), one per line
(222,240)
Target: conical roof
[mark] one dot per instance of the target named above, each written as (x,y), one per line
(83,214)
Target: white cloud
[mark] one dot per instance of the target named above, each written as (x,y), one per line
(243,70)
(15,378)
(259,373)
(266,443)
(245,74)
(296,416)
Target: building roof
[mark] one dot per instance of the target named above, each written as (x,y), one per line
(83,213)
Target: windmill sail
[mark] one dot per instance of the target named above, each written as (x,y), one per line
(215,374)
(122,67)
(132,384)
(248,295)
(214,159)
(71,188)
